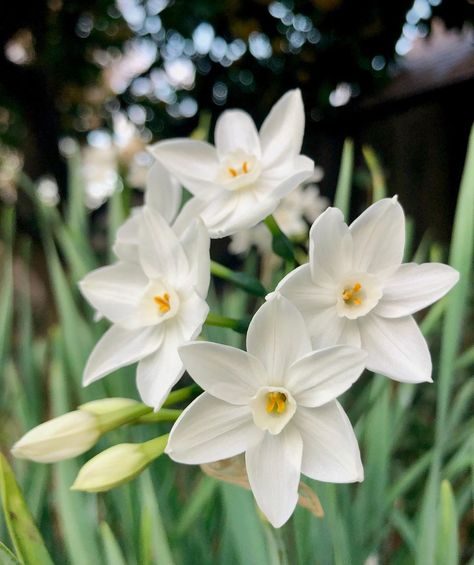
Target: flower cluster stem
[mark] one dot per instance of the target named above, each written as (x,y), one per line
(241,280)
(235,324)
(281,245)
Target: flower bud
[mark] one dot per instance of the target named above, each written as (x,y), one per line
(67,436)
(118,464)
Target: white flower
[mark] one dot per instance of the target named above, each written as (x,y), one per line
(63,437)
(155,303)
(356,291)
(277,404)
(301,205)
(240,181)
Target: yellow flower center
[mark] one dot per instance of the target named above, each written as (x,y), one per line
(163,302)
(276,402)
(234,172)
(351,296)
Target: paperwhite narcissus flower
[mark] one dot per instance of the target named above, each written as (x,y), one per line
(275,402)
(155,303)
(355,290)
(241,180)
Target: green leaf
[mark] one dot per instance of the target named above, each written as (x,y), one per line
(6,296)
(113,553)
(447,552)
(342,198)
(379,187)
(27,540)
(6,556)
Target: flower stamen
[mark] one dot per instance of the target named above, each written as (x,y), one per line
(351,295)
(235,172)
(276,402)
(163,302)
(232,172)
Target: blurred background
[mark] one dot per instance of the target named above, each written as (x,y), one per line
(85,86)
(116,75)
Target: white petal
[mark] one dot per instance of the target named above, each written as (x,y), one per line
(246,210)
(118,348)
(193,163)
(273,468)
(277,335)
(161,253)
(210,430)
(160,371)
(126,239)
(330,247)
(378,236)
(413,287)
(225,372)
(280,181)
(396,348)
(330,450)
(195,241)
(235,130)
(323,375)
(115,290)
(281,134)
(317,305)
(163,193)
(191,315)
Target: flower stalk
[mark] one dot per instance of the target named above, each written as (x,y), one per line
(241,280)
(237,325)
(281,245)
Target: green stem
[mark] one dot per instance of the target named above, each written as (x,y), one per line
(182,394)
(240,326)
(154,447)
(163,415)
(281,245)
(242,280)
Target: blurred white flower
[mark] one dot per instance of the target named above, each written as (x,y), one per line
(241,180)
(275,402)
(100,173)
(47,190)
(156,302)
(355,291)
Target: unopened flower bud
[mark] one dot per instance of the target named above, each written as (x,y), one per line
(67,436)
(118,464)
(74,433)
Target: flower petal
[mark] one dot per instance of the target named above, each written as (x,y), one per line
(225,372)
(235,130)
(118,348)
(273,468)
(160,371)
(195,241)
(396,348)
(378,236)
(161,253)
(330,247)
(126,238)
(210,430)
(191,315)
(115,291)
(193,163)
(330,450)
(413,287)
(323,375)
(277,335)
(279,181)
(281,134)
(163,193)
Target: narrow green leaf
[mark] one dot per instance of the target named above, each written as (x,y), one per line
(24,534)
(6,296)
(379,187)
(112,552)
(342,198)
(447,552)
(6,556)
(199,498)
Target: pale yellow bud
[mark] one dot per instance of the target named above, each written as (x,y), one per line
(67,436)
(118,464)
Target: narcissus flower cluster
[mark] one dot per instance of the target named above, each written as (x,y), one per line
(349,308)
